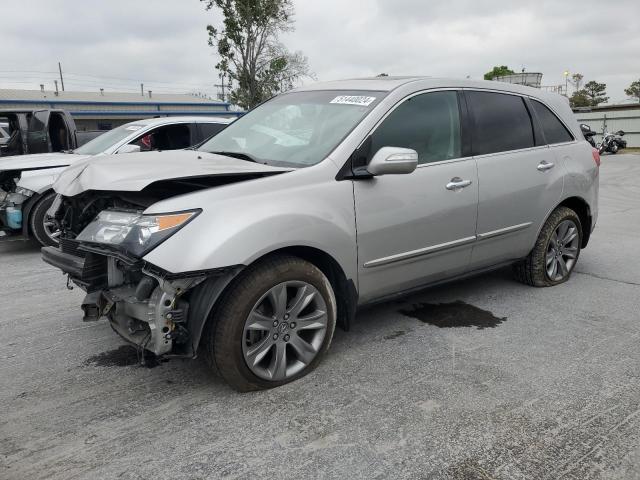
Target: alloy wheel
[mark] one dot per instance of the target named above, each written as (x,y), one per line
(562,251)
(285,330)
(51,229)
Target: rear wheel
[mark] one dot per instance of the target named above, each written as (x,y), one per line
(614,148)
(273,326)
(556,252)
(42,227)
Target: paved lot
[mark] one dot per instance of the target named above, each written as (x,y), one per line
(545,383)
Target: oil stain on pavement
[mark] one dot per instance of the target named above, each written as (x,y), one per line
(453,315)
(123,356)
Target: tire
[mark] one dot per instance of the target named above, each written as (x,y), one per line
(37,221)
(229,333)
(534,269)
(614,148)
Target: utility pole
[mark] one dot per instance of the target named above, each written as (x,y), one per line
(61,80)
(222,86)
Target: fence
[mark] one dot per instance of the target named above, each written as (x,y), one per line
(627,119)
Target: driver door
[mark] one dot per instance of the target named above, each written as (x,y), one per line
(38,140)
(417,228)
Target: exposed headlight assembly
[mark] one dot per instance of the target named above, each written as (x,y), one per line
(134,232)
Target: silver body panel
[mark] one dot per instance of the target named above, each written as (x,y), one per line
(389,233)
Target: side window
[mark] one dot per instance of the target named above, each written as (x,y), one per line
(168,137)
(501,122)
(428,123)
(208,130)
(554,130)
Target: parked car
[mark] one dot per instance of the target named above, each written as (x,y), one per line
(323,199)
(26,181)
(40,131)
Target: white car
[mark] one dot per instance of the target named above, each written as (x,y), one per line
(26,181)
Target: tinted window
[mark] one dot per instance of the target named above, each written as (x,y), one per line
(38,121)
(427,123)
(554,130)
(208,130)
(502,122)
(168,137)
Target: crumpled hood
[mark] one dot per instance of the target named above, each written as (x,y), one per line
(134,171)
(39,160)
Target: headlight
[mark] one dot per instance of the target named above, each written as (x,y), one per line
(134,232)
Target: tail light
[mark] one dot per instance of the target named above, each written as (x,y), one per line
(596,156)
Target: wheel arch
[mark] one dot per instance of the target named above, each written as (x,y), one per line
(583,210)
(202,309)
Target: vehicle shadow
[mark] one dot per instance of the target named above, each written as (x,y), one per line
(18,246)
(445,306)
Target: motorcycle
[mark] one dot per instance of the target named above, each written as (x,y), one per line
(612,142)
(589,134)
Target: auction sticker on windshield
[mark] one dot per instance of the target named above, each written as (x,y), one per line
(353,100)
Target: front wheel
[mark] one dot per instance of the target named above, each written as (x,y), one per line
(42,227)
(273,326)
(555,253)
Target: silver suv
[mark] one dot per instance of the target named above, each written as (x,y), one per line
(253,247)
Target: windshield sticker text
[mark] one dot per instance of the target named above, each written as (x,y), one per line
(354,100)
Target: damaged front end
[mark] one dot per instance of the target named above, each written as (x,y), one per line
(105,236)
(12,200)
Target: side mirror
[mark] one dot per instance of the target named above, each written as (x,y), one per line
(393,161)
(585,128)
(129,148)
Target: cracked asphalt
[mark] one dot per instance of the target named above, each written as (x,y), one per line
(530,384)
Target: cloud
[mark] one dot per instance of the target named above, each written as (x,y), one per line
(164,43)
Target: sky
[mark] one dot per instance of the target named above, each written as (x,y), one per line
(118,44)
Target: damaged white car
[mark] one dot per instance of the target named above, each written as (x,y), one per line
(26,181)
(254,246)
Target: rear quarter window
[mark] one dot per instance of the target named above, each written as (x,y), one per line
(501,122)
(554,130)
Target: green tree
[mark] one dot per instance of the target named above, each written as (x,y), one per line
(251,55)
(634,90)
(596,92)
(579,99)
(498,72)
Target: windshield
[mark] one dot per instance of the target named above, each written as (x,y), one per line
(108,139)
(295,129)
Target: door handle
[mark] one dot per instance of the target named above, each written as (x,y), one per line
(544,166)
(457,183)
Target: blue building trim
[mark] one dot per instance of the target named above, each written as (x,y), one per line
(152,113)
(54,102)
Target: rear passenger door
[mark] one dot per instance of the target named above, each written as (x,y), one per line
(520,180)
